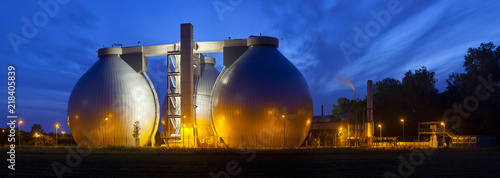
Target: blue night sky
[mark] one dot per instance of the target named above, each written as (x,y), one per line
(50,60)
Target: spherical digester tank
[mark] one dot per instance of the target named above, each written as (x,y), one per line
(203,100)
(262,100)
(107,101)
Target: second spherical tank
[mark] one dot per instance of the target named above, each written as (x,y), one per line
(203,89)
(262,100)
(203,100)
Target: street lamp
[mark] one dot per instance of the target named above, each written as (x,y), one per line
(403,121)
(195,137)
(380,126)
(339,135)
(57,126)
(444,132)
(284,130)
(19,129)
(105,125)
(183,136)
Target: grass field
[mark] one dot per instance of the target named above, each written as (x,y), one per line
(164,162)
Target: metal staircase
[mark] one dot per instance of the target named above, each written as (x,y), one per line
(174,98)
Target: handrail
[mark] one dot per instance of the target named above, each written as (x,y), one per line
(157,109)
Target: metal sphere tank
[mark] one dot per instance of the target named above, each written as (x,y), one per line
(262,100)
(106,102)
(203,100)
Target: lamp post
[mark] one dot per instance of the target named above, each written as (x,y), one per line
(339,135)
(183,119)
(57,126)
(63,133)
(444,132)
(195,136)
(19,129)
(284,133)
(105,125)
(403,121)
(380,126)
(183,136)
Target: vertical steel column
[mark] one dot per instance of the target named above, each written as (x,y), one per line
(187,80)
(187,87)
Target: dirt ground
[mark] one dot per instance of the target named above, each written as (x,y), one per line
(261,163)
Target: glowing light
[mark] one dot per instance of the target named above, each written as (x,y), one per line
(402,120)
(106,119)
(283,116)
(3,130)
(340,129)
(63,132)
(379,125)
(194,126)
(20,122)
(57,125)
(442,123)
(184,125)
(76,116)
(163,122)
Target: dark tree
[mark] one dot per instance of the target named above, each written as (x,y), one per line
(342,107)
(357,110)
(36,128)
(454,85)
(483,60)
(420,94)
(482,71)
(390,105)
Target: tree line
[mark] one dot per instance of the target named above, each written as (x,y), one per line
(36,137)
(470,105)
